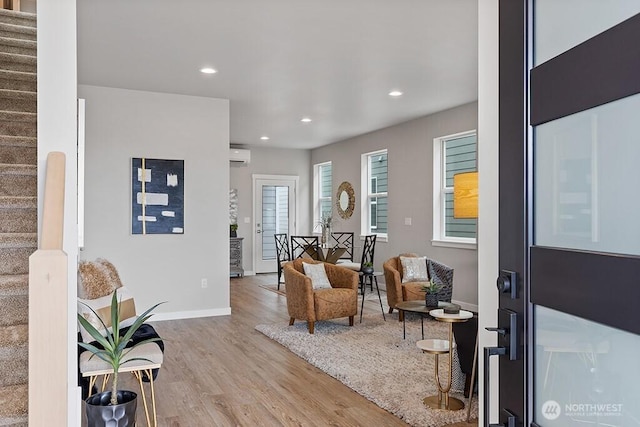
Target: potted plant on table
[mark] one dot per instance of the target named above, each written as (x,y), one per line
(367,268)
(431,297)
(114,352)
(233,230)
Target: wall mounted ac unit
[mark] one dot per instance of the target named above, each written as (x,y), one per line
(239,156)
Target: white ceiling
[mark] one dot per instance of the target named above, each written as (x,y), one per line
(279,60)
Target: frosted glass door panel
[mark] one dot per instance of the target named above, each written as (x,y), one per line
(585,373)
(275,217)
(560,25)
(587,180)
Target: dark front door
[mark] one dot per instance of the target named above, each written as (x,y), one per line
(569,199)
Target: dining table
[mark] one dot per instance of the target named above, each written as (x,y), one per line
(325,253)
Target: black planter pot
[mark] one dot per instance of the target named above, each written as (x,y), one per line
(233,233)
(101,414)
(431,300)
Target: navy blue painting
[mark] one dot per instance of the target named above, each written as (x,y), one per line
(157,196)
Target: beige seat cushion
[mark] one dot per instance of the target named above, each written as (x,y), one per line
(355,266)
(95,366)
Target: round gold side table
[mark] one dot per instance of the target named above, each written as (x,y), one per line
(442,400)
(435,347)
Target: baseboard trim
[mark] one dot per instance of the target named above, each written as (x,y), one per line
(466,306)
(177,315)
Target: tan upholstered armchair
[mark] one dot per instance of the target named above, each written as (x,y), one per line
(398,291)
(306,303)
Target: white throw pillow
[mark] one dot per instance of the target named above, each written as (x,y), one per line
(102,306)
(317,274)
(414,269)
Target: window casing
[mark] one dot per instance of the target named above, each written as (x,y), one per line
(452,154)
(374,196)
(322,184)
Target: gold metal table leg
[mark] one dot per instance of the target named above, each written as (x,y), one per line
(450,403)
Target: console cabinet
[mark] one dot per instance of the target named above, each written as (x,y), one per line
(235,255)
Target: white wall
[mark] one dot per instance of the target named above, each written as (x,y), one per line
(410,153)
(121,124)
(57,81)
(488,190)
(271,161)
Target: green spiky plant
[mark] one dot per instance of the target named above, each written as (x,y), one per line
(114,349)
(431,287)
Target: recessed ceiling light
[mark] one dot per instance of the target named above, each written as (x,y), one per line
(264,138)
(305,120)
(395,93)
(208,70)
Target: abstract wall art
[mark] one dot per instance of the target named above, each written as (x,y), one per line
(157,196)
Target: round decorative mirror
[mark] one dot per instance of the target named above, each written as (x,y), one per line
(345,200)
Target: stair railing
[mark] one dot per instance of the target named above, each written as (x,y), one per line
(48,308)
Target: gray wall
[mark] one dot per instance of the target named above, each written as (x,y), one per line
(410,150)
(271,161)
(121,124)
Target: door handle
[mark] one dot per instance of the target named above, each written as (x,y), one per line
(508,331)
(501,331)
(258,231)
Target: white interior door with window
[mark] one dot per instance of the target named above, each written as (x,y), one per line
(274,211)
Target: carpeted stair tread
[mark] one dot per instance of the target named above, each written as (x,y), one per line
(15,260)
(18,100)
(16,371)
(14,284)
(18,46)
(6,169)
(18,154)
(19,128)
(14,401)
(18,94)
(15,116)
(18,80)
(13,336)
(18,75)
(24,202)
(14,309)
(18,220)
(18,240)
(16,17)
(18,141)
(18,180)
(17,62)
(17,31)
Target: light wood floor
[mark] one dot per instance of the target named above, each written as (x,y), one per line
(220,371)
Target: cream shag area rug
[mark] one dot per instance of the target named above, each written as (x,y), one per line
(372,359)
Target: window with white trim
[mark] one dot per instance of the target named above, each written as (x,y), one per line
(322,185)
(374,200)
(452,154)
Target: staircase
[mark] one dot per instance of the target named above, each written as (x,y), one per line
(18,206)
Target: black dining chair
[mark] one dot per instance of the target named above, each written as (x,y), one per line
(368,251)
(343,239)
(301,245)
(283,254)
